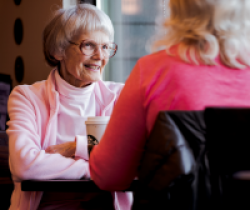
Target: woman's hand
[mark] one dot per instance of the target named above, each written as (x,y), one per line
(67,149)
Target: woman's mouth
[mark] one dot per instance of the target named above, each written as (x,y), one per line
(92,67)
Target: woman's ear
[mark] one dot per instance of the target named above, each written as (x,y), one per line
(58,57)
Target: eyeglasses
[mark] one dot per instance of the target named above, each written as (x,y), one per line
(89,47)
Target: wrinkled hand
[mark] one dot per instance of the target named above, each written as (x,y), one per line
(67,149)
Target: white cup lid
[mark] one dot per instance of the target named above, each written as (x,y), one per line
(97,120)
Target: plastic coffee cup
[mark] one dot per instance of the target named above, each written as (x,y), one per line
(95,127)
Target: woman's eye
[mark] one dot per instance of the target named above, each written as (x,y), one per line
(89,45)
(105,47)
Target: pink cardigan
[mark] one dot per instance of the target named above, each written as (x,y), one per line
(159,82)
(32,128)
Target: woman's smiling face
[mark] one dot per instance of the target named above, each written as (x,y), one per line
(81,70)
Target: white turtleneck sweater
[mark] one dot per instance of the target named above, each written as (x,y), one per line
(76,105)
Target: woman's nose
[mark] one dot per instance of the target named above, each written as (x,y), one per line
(99,53)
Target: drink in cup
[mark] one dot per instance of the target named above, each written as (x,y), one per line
(95,127)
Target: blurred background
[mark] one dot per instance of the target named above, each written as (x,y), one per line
(134,22)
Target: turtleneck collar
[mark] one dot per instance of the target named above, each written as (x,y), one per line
(71,91)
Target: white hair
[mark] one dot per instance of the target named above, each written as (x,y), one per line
(69,23)
(204,29)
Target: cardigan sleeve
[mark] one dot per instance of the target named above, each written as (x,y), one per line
(114,162)
(82,147)
(27,159)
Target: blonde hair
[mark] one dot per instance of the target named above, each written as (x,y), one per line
(70,22)
(205,28)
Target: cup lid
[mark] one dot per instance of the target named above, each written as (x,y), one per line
(97,120)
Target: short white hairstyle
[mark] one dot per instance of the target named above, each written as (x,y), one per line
(205,29)
(69,23)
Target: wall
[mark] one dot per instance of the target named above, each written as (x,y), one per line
(34,15)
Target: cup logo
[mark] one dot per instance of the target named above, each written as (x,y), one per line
(92,140)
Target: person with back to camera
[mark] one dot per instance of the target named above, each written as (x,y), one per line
(205,63)
(78,43)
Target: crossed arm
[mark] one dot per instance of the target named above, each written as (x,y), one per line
(67,149)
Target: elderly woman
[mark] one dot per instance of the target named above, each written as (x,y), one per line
(78,44)
(205,63)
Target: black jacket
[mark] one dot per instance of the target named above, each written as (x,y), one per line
(174,171)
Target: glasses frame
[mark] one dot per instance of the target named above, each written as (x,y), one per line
(80,46)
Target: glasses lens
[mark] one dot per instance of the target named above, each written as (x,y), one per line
(88,47)
(109,49)
(113,48)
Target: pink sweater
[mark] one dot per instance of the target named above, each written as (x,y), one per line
(159,82)
(33,111)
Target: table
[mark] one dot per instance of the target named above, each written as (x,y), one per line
(66,186)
